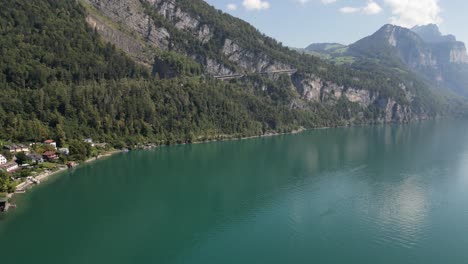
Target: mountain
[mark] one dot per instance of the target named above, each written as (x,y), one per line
(393,44)
(440,60)
(226,45)
(431,34)
(149,70)
(321,47)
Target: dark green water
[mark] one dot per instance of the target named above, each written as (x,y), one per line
(387,194)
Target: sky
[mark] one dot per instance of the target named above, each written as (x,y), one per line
(298,23)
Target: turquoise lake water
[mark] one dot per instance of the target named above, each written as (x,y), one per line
(377,194)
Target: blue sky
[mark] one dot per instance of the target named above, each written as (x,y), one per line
(298,23)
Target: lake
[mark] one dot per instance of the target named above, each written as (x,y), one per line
(376,194)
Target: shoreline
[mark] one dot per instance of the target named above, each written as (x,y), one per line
(105,155)
(23,187)
(231,138)
(27,185)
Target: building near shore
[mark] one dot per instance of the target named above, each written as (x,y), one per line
(9,166)
(50,155)
(51,142)
(64,151)
(36,158)
(89,141)
(3,160)
(16,148)
(100,145)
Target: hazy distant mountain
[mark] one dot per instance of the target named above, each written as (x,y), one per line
(319,47)
(440,60)
(430,33)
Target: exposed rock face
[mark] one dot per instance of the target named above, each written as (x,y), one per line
(122,41)
(446,48)
(313,89)
(362,97)
(423,46)
(126,24)
(204,34)
(441,59)
(451,52)
(170,11)
(216,68)
(402,42)
(394,112)
(249,61)
(431,34)
(458,54)
(181,20)
(130,16)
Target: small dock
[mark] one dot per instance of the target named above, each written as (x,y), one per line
(4,204)
(8,206)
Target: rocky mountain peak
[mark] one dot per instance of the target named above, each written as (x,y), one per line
(430,33)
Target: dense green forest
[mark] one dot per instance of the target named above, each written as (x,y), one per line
(59,80)
(225,26)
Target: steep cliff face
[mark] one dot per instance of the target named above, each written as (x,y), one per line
(143,28)
(249,61)
(420,47)
(439,59)
(314,89)
(431,34)
(452,60)
(458,53)
(453,52)
(445,47)
(126,25)
(117,17)
(399,42)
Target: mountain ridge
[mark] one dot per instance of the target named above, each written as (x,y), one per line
(440,60)
(143,70)
(233,50)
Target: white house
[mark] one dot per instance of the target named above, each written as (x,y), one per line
(64,151)
(50,142)
(89,141)
(9,167)
(3,160)
(17,148)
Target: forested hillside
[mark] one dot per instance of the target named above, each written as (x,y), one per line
(59,78)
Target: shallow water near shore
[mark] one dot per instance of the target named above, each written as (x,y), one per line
(377,194)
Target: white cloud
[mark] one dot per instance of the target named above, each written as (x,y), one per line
(371,8)
(326,2)
(408,13)
(302,2)
(349,10)
(256,4)
(232,7)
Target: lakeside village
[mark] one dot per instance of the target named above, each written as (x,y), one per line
(24,165)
